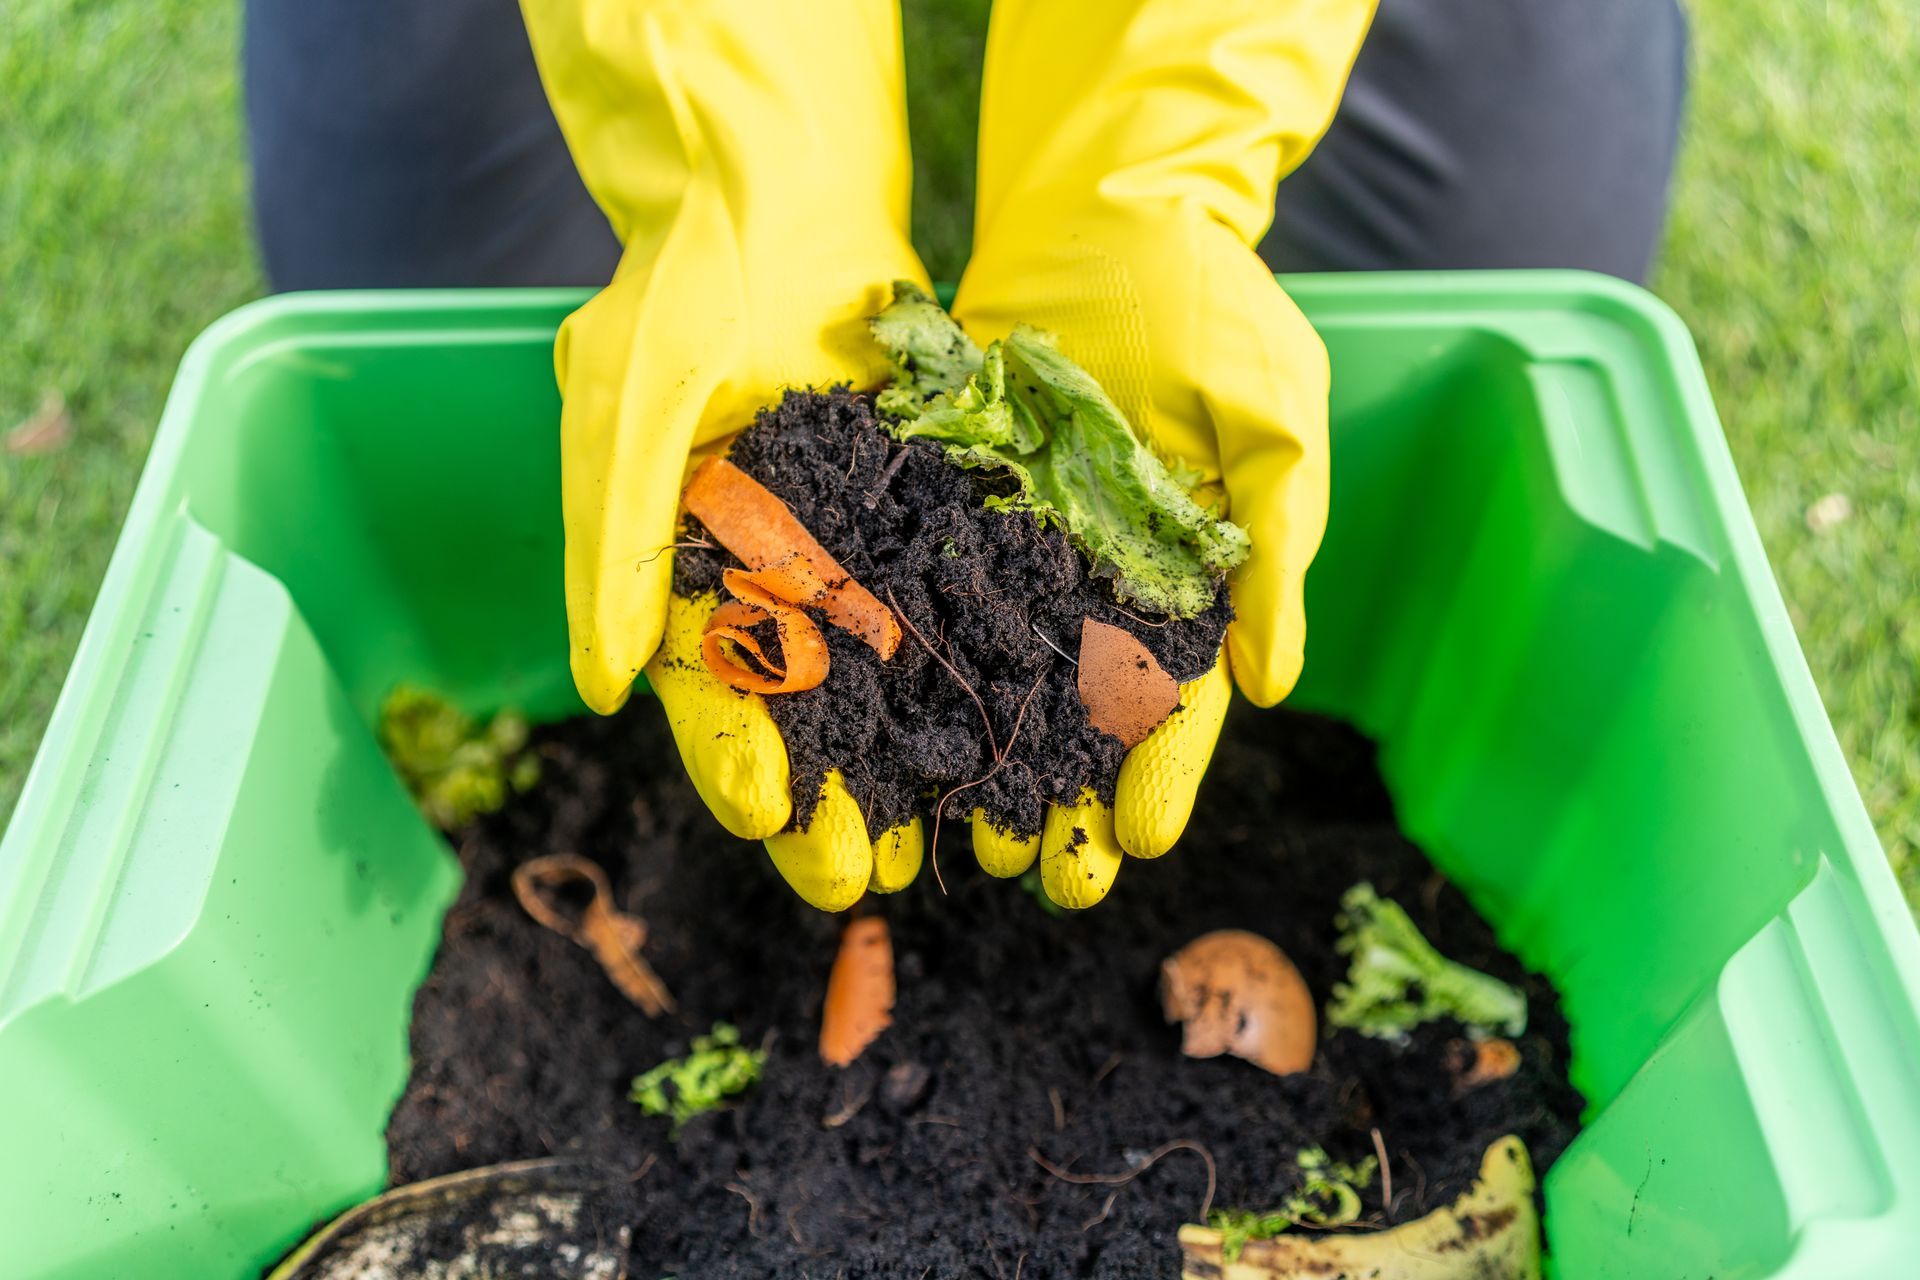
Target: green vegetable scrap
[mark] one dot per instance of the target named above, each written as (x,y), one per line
(456,768)
(1022,407)
(718,1068)
(1329,1196)
(1396,980)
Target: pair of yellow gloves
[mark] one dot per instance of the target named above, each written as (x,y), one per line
(752,156)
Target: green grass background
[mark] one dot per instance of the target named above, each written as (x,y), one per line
(1794,254)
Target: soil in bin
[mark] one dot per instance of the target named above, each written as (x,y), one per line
(1000,597)
(1018,1035)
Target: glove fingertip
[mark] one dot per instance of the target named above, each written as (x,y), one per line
(1148,832)
(1160,779)
(1079,856)
(1001,854)
(741,773)
(830,863)
(897,856)
(748,822)
(600,687)
(1264,673)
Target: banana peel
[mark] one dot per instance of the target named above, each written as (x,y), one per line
(1490,1233)
(468,1223)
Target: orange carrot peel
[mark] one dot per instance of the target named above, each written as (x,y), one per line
(748,520)
(775,592)
(860,992)
(612,935)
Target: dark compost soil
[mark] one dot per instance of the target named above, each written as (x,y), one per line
(992,591)
(1017,1034)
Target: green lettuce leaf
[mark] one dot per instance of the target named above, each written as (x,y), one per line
(932,356)
(1023,407)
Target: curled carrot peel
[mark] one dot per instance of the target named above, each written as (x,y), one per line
(859,992)
(762,594)
(748,520)
(613,936)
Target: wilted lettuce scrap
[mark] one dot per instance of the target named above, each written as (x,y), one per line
(1023,407)
(1396,980)
(718,1068)
(456,768)
(1329,1196)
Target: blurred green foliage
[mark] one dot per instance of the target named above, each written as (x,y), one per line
(455,767)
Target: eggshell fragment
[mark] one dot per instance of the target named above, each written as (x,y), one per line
(1124,688)
(1237,993)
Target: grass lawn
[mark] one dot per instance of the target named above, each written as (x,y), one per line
(1794,254)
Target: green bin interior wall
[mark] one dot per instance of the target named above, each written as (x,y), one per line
(1541,591)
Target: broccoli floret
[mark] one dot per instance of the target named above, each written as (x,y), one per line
(1396,980)
(718,1068)
(455,768)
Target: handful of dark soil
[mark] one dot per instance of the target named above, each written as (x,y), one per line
(982,693)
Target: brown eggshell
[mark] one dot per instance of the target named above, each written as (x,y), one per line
(1238,993)
(1125,690)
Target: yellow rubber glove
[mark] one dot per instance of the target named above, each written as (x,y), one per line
(738,763)
(752,157)
(1129,151)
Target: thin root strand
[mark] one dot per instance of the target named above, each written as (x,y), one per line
(1386,1171)
(1121,1179)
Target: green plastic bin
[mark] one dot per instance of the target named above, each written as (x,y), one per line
(1541,592)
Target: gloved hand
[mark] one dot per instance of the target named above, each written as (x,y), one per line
(1129,151)
(738,763)
(752,157)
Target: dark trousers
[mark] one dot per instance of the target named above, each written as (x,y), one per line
(408,142)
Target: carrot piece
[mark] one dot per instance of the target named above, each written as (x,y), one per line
(614,936)
(1481,1062)
(859,992)
(802,647)
(759,528)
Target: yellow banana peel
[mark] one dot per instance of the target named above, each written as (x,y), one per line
(1492,1230)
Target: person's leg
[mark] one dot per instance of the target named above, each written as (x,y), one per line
(1495,133)
(408,142)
